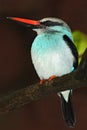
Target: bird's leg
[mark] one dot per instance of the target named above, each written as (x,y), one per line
(52,77)
(42,81)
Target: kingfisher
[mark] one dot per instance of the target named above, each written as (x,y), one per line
(53,55)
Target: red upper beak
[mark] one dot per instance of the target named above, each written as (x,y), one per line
(25,21)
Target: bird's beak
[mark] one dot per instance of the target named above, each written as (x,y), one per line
(28,22)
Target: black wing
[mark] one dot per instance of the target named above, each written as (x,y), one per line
(73,49)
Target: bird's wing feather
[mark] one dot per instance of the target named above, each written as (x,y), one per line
(73,49)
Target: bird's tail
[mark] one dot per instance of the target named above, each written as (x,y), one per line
(67,109)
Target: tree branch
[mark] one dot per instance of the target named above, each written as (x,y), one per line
(36,91)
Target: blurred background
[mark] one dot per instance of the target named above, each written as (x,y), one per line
(16,69)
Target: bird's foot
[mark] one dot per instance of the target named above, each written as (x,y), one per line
(42,81)
(52,77)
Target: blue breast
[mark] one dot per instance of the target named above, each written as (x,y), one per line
(46,42)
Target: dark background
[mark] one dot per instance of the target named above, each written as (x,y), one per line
(16,69)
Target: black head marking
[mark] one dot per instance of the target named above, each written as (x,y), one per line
(73,49)
(51,23)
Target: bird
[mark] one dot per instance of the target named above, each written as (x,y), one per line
(54,54)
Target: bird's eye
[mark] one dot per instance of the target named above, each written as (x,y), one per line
(51,23)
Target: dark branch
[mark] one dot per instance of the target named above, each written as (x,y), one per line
(34,92)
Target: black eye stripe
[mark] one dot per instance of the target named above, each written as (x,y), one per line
(50,23)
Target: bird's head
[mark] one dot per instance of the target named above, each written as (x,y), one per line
(45,25)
